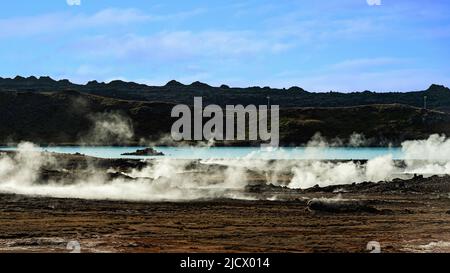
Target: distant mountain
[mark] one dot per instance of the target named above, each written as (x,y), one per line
(68,117)
(438,96)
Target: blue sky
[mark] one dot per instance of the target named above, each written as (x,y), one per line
(341,45)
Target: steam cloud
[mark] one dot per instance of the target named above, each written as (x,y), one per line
(171,179)
(109,128)
(428,157)
(164,180)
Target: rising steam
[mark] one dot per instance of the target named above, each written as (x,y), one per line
(109,128)
(161,180)
(172,179)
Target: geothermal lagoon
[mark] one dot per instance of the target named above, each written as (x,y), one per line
(318,153)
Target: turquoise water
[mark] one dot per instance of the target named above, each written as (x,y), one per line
(235,152)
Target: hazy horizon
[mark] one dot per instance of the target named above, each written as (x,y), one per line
(214,86)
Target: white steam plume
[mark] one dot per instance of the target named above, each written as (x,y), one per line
(165,180)
(428,157)
(109,128)
(172,179)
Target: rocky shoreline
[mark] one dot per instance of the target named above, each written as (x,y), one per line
(145,152)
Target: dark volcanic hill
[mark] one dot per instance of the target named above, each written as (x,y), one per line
(438,97)
(66,117)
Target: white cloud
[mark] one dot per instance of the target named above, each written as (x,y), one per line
(181,45)
(62,22)
(366,63)
(314,31)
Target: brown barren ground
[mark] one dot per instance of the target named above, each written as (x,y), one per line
(415,223)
